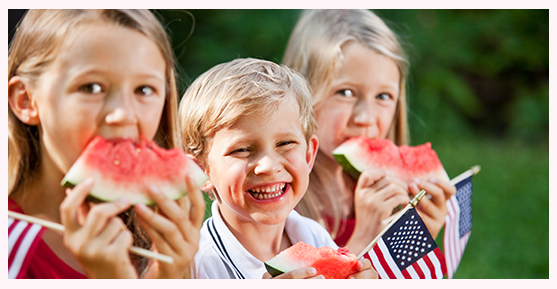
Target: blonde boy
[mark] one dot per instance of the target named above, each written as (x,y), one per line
(250,124)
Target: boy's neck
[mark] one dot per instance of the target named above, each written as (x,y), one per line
(262,241)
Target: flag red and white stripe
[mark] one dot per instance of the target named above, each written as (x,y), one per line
(431,266)
(23,239)
(408,251)
(458,225)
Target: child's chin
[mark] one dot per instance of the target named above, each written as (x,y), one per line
(274,218)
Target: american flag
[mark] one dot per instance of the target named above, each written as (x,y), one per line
(407,251)
(458,224)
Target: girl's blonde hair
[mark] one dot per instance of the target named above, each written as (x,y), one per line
(221,95)
(315,50)
(38,42)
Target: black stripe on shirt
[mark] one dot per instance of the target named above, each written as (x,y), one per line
(215,235)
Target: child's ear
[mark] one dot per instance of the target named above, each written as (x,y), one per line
(207,186)
(21,102)
(211,191)
(313,146)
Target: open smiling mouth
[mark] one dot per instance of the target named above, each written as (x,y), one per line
(266,193)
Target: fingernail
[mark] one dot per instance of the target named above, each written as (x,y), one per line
(123,201)
(312,271)
(433,180)
(139,207)
(416,180)
(155,190)
(88,182)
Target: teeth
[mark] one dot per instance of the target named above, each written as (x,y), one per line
(267,193)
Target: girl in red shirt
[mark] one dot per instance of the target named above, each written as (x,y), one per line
(74,75)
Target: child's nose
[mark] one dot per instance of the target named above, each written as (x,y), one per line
(120,116)
(363,113)
(121,112)
(267,165)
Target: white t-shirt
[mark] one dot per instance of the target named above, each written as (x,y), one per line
(221,256)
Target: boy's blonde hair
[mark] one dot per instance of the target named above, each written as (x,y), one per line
(36,44)
(241,87)
(315,50)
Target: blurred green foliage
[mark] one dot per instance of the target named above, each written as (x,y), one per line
(472,71)
(478,90)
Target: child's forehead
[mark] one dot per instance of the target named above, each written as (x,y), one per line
(285,112)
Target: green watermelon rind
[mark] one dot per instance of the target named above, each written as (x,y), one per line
(89,198)
(347,165)
(302,255)
(274,272)
(98,198)
(103,191)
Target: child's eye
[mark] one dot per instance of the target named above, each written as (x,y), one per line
(384,96)
(91,88)
(145,90)
(346,92)
(284,143)
(239,151)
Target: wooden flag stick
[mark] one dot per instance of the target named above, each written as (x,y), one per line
(60,228)
(411,204)
(471,172)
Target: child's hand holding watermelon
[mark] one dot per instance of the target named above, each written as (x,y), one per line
(95,234)
(385,173)
(302,273)
(304,261)
(375,196)
(364,271)
(174,233)
(433,209)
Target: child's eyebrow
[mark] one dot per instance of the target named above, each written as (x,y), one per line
(95,71)
(289,135)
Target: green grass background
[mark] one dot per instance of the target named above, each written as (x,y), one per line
(510,211)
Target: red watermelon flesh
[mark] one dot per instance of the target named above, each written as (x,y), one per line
(332,264)
(122,168)
(404,162)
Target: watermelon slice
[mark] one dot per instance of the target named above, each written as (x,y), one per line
(124,169)
(404,162)
(332,264)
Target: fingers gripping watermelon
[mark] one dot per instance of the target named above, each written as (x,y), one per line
(124,169)
(332,264)
(404,162)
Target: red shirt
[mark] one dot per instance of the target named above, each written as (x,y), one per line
(29,257)
(346,228)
